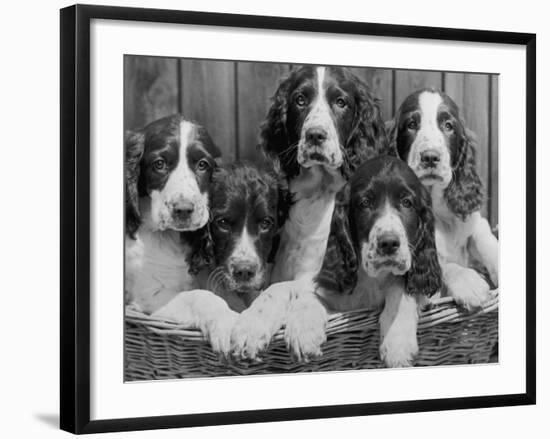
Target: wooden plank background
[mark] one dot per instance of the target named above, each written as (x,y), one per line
(231,99)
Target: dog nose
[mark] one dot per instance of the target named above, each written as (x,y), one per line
(429,158)
(243,271)
(182,210)
(316,136)
(388,244)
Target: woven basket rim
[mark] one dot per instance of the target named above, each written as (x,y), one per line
(438,311)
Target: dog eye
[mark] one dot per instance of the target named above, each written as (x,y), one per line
(406,203)
(341,102)
(366,202)
(222,223)
(412,125)
(300,100)
(448,126)
(159,164)
(203,165)
(266,224)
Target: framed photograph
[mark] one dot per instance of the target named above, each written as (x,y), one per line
(268,218)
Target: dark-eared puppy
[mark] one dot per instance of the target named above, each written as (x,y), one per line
(169,165)
(381,253)
(322,124)
(247,205)
(429,133)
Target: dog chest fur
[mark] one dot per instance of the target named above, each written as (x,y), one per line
(156,268)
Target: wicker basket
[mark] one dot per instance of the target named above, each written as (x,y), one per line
(447,334)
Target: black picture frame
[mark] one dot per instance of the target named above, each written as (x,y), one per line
(75,217)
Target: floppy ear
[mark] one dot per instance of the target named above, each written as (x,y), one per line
(339,270)
(368,136)
(392,127)
(273,133)
(208,144)
(284,196)
(464,194)
(284,202)
(134,146)
(202,249)
(424,276)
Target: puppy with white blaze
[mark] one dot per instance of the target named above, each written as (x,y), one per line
(322,124)
(429,134)
(381,253)
(247,204)
(169,164)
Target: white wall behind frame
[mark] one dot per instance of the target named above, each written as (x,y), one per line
(30,281)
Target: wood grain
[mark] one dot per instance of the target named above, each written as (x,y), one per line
(493,194)
(208,97)
(231,99)
(471,94)
(150,89)
(256,84)
(380,82)
(408,81)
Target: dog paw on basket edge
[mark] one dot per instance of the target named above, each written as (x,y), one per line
(201,309)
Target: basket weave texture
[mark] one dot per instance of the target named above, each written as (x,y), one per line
(447,334)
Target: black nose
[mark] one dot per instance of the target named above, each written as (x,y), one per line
(430,158)
(388,244)
(243,271)
(316,136)
(182,210)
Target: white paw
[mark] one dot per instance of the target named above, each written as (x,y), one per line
(305,333)
(399,350)
(251,335)
(469,289)
(218,331)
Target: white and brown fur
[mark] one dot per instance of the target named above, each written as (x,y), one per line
(168,169)
(430,135)
(322,124)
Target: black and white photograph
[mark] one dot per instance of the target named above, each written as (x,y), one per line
(288,218)
(273,218)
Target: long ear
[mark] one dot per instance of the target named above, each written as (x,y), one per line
(368,136)
(464,194)
(339,270)
(202,249)
(208,143)
(134,146)
(284,202)
(424,276)
(392,130)
(273,133)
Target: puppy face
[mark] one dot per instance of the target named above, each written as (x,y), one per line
(244,222)
(386,204)
(321,112)
(175,172)
(382,223)
(429,136)
(319,105)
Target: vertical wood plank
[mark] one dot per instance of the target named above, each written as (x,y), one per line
(408,81)
(471,93)
(454,87)
(256,84)
(476,113)
(493,194)
(208,97)
(380,83)
(150,89)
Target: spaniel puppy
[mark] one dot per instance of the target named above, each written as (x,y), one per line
(381,253)
(169,165)
(322,124)
(247,205)
(431,137)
